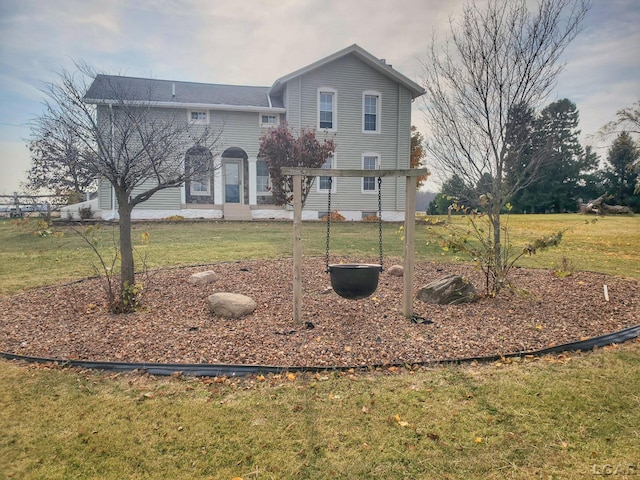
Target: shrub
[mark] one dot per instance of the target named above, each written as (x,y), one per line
(335,217)
(85,212)
(475,239)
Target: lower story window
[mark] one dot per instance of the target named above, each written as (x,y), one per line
(201,186)
(263,183)
(326,183)
(370,162)
(198,162)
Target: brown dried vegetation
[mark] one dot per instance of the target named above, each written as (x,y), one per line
(72,321)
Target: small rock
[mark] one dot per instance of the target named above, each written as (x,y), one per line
(231,305)
(448,290)
(203,278)
(396,270)
(326,290)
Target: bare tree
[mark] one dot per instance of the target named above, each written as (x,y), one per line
(627,121)
(57,162)
(137,147)
(496,60)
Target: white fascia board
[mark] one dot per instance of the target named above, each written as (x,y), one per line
(192,106)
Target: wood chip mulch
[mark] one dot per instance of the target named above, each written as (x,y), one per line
(175,325)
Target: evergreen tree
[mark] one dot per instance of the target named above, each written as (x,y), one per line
(591,183)
(554,185)
(522,163)
(620,175)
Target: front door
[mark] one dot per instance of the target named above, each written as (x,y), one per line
(232,181)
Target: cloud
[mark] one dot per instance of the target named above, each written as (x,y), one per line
(254,42)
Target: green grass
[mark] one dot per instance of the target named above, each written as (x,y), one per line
(567,417)
(28,261)
(608,245)
(550,418)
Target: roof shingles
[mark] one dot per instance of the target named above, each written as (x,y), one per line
(115,88)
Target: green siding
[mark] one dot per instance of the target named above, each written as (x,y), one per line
(351,77)
(238,129)
(104,195)
(167,199)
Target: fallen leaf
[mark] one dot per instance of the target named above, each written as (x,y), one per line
(401,422)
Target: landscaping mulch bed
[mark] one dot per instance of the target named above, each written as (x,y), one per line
(175,325)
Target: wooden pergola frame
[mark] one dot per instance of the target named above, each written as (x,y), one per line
(409,225)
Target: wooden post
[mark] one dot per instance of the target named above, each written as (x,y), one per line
(297,248)
(409,226)
(409,246)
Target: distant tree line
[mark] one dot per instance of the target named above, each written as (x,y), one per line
(555,172)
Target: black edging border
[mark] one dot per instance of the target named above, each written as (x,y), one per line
(231,370)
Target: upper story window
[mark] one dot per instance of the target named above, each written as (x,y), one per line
(371,112)
(199,117)
(327,109)
(268,120)
(263,181)
(324,183)
(370,161)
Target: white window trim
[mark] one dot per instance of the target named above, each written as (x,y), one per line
(334,180)
(334,105)
(199,193)
(378,162)
(267,125)
(378,111)
(269,184)
(198,122)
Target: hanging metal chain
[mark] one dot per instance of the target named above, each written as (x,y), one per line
(380,217)
(326,261)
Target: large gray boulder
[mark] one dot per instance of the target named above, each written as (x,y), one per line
(448,290)
(231,305)
(203,278)
(396,270)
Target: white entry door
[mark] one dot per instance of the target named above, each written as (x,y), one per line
(233,181)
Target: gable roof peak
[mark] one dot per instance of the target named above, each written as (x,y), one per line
(379,64)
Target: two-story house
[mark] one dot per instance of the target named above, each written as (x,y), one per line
(352,96)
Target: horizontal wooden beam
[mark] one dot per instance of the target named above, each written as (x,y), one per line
(334,172)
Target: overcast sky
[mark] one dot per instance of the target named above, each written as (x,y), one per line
(254,42)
